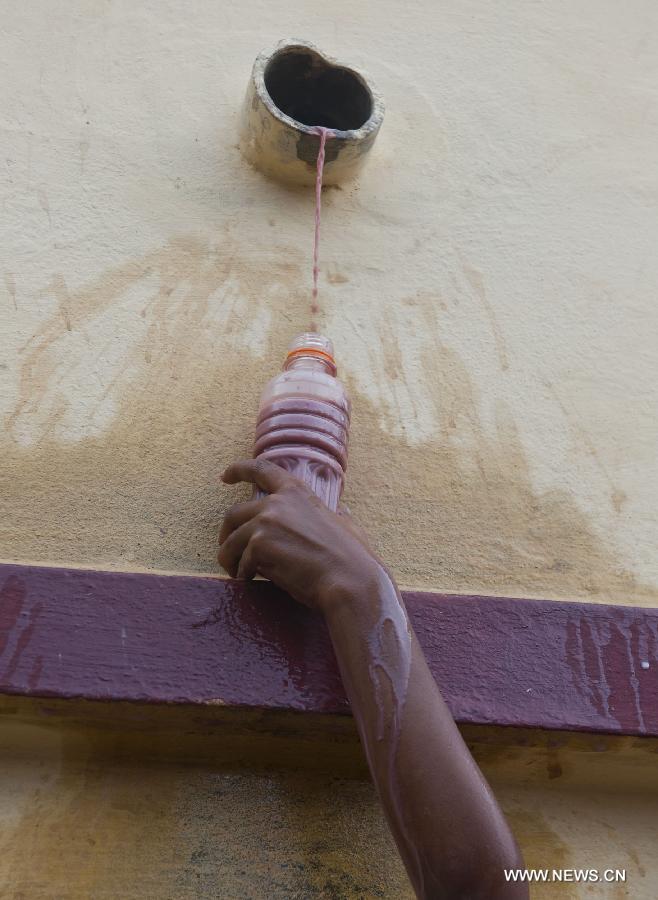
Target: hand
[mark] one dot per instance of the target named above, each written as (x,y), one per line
(292,538)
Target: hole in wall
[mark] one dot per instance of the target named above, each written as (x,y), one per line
(313,92)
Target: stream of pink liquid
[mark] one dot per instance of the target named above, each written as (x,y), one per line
(324,134)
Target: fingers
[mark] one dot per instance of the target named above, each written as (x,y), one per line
(233,547)
(248,567)
(267,475)
(237,515)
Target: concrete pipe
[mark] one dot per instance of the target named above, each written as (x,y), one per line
(295,88)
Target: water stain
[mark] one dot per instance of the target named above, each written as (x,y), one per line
(323,837)
(392,352)
(553,765)
(461,513)
(636,860)
(96,823)
(476,281)
(85,815)
(60,291)
(336,277)
(617,497)
(542,848)
(137,486)
(176,422)
(10,284)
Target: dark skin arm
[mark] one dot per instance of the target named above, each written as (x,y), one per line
(451,834)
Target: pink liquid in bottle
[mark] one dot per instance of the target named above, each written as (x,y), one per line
(304,418)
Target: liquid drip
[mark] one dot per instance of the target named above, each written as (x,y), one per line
(324,134)
(390,649)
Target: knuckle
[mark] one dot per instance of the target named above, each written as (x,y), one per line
(258,540)
(272,504)
(273,508)
(267,518)
(296,488)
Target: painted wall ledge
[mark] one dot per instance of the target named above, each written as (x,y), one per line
(74,633)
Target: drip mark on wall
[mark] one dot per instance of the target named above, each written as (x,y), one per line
(596,649)
(42,197)
(10,284)
(477,283)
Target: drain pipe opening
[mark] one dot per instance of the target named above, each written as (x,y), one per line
(292,90)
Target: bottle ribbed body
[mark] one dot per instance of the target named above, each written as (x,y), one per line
(303,419)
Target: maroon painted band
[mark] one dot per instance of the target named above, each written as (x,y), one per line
(184,639)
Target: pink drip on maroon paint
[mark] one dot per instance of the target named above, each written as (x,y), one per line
(391,662)
(324,134)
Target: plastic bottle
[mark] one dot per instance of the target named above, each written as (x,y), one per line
(304,418)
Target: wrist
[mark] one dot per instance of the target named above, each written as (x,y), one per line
(352,587)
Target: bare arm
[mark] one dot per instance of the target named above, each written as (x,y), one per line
(449,829)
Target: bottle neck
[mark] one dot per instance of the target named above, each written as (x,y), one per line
(309,363)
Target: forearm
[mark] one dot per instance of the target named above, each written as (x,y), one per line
(451,834)
(448,827)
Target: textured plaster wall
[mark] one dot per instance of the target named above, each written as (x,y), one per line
(89,802)
(489,284)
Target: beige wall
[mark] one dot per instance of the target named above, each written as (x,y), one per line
(489,284)
(272,810)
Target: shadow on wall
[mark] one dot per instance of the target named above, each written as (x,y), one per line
(80,821)
(139,388)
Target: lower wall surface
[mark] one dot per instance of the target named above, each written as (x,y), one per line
(271,809)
